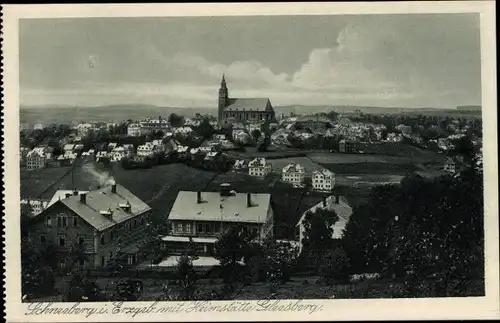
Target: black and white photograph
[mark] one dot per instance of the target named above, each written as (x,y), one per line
(251,158)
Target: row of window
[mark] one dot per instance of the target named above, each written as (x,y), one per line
(61,221)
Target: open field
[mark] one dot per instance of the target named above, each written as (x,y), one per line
(35,182)
(307,163)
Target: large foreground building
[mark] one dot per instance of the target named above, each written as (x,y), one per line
(243,109)
(102,222)
(201,217)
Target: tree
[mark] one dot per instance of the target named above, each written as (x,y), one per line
(256,134)
(176,120)
(205,129)
(423,230)
(38,277)
(318,231)
(334,266)
(232,247)
(187,277)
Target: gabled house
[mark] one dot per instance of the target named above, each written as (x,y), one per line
(293,173)
(323,180)
(259,167)
(102,222)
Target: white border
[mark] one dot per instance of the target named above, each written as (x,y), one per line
(451,308)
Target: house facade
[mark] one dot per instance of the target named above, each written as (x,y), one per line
(103,222)
(201,217)
(323,180)
(259,167)
(293,174)
(36,158)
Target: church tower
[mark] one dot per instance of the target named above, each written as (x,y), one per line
(223,100)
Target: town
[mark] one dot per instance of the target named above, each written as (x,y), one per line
(252,202)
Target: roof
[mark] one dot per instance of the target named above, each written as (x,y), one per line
(61,194)
(249,104)
(325,172)
(215,207)
(258,162)
(36,151)
(69,147)
(104,199)
(293,168)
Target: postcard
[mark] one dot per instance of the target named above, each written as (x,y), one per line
(250,162)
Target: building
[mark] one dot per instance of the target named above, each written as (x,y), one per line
(259,167)
(145,150)
(349,146)
(134,130)
(102,221)
(335,203)
(293,173)
(68,148)
(184,131)
(117,154)
(323,180)
(36,158)
(240,164)
(243,109)
(201,217)
(66,159)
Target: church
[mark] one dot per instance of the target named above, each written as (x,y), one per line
(243,109)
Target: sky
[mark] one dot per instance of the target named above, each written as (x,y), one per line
(424,60)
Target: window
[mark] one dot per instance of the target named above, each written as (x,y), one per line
(188,227)
(62,240)
(43,239)
(103,240)
(112,235)
(62,221)
(130,226)
(103,261)
(142,221)
(75,221)
(131,259)
(179,227)
(48,221)
(200,228)
(81,240)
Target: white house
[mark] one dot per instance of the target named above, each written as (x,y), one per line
(259,167)
(36,158)
(183,130)
(134,130)
(323,180)
(117,154)
(102,154)
(68,148)
(335,203)
(240,164)
(145,150)
(293,173)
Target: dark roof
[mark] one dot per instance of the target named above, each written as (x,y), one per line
(249,104)
(102,200)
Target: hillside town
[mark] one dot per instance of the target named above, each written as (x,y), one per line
(105,227)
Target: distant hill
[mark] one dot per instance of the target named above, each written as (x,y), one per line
(307,110)
(108,113)
(469,108)
(66,114)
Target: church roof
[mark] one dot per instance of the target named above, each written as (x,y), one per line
(248,104)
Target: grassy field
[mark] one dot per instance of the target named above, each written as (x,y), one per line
(35,182)
(309,165)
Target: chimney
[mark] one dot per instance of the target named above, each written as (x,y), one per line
(75,192)
(83,198)
(98,187)
(113,188)
(198,197)
(249,200)
(67,195)
(337,199)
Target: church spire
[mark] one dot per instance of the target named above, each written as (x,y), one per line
(223,82)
